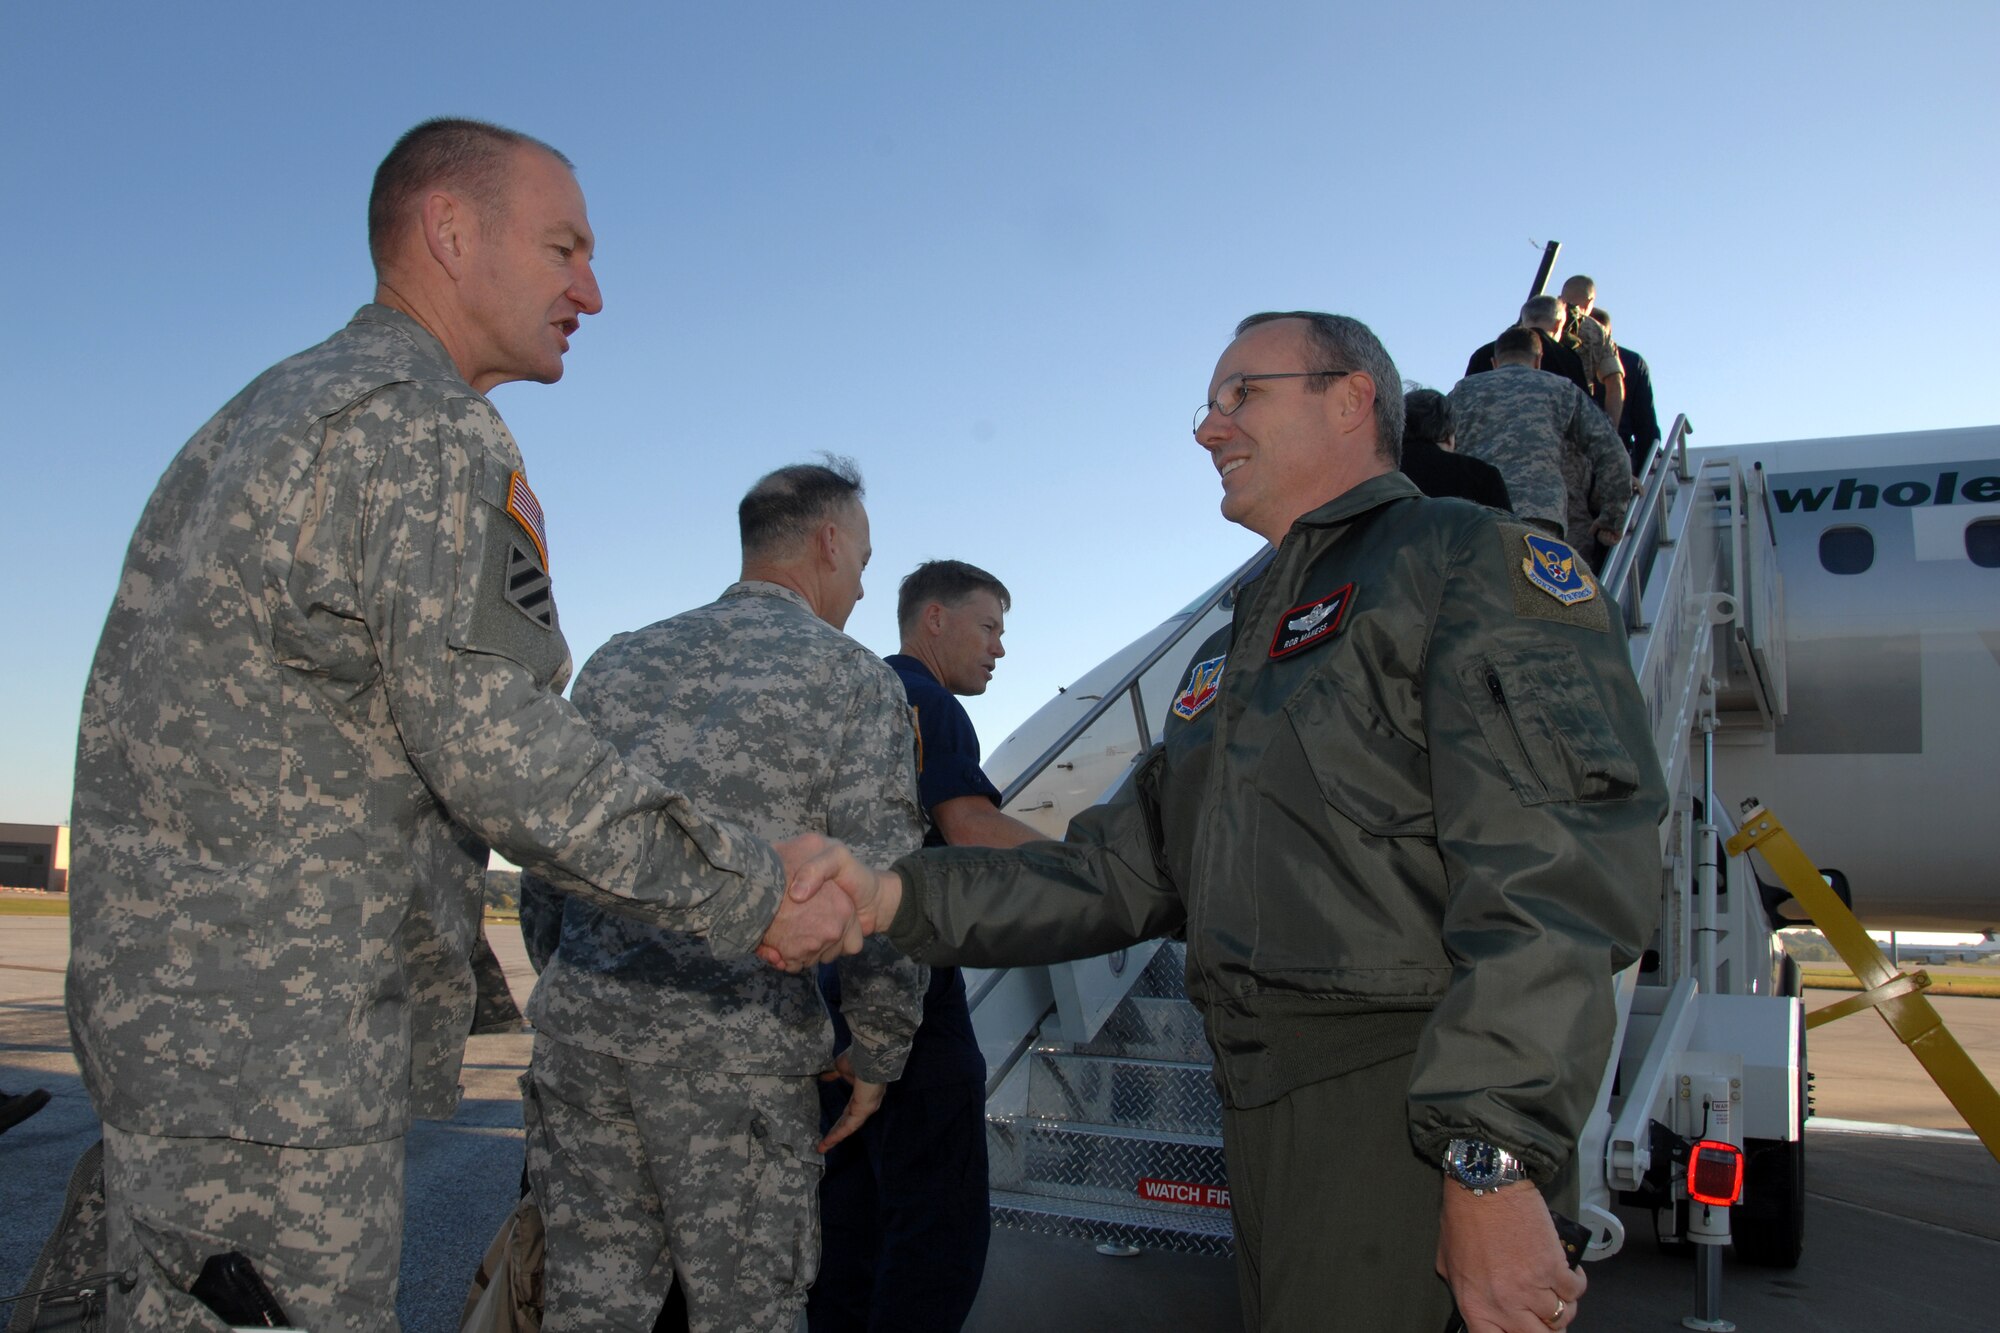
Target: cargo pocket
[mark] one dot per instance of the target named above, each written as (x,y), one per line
(169,1262)
(1546,726)
(776,1239)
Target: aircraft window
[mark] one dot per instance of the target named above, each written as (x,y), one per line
(1982,542)
(1846,550)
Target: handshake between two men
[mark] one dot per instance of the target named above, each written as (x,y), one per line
(832,903)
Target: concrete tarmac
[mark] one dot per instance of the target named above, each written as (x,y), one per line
(1903,1231)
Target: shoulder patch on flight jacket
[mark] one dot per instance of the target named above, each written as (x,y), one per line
(1203,684)
(1550,580)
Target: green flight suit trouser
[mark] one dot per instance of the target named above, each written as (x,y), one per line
(1336,1216)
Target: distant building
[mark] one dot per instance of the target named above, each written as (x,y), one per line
(35,856)
(1942,954)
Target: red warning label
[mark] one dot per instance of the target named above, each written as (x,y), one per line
(1184,1191)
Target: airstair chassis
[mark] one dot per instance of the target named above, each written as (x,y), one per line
(1710,1030)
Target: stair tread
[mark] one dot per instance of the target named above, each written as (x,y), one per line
(1065,1053)
(1127,1132)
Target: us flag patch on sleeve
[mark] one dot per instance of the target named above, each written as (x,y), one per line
(527,511)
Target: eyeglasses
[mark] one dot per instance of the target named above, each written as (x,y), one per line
(1232,393)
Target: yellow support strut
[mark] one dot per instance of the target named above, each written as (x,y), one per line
(1898,997)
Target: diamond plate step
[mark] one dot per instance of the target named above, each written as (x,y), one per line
(1099,1164)
(1135,1094)
(1147,1028)
(1165,977)
(1074,1130)
(1194,1231)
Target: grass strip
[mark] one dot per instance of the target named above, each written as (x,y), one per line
(1981,987)
(13,904)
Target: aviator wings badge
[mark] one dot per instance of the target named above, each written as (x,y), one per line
(1311,622)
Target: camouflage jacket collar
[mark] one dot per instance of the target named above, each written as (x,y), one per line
(421,355)
(760,588)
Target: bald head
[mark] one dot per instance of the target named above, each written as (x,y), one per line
(804,527)
(1580,292)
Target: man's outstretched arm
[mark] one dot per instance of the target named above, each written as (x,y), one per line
(974,821)
(1102,888)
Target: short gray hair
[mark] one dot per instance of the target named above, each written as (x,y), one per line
(785,506)
(1542,312)
(1345,344)
(473,157)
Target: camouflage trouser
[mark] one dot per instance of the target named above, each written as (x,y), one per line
(324,1227)
(645,1174)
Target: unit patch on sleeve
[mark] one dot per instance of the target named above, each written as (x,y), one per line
(1203,685)
(1303,626)
(1553,567)
(527,588)
(527,511)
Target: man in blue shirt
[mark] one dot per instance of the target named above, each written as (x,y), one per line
(903,1205)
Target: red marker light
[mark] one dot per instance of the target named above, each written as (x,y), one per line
(1715,1173)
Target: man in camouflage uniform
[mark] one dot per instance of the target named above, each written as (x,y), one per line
(1592,343)
(1539,430)
(671,1104)
(328,683)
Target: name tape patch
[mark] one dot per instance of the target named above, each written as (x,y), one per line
(1311,622)
(527,511)
(1553,567)
(1204,682)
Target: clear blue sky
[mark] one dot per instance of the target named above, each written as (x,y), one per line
(992,254)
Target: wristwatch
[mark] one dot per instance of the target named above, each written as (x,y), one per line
(1480,1166)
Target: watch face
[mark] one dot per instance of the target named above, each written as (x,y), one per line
(1477,1163)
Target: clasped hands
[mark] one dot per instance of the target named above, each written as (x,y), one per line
(831,903)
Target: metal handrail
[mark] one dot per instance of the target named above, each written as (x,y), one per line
(1129,682)
(1642,526)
